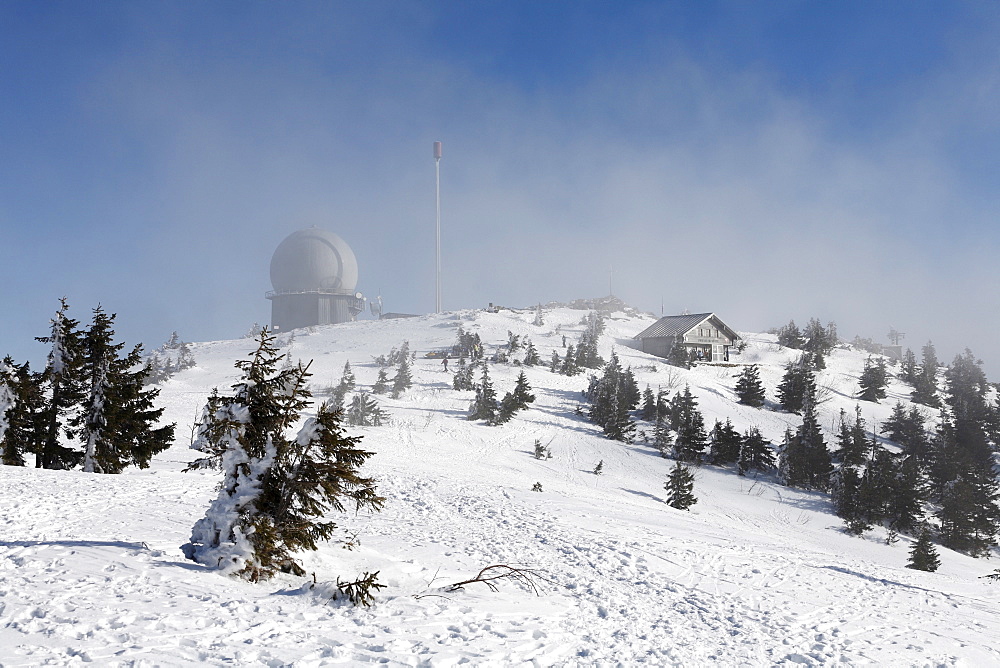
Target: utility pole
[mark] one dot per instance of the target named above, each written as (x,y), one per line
(437,227)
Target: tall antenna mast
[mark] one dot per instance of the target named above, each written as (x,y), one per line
(437,227)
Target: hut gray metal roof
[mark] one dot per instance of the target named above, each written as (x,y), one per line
(679,325)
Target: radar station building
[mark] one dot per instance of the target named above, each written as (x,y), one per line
(314,275)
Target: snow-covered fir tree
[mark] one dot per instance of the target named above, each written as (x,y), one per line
(908,369)
(364,411)
(586,356)
(925,384)
(403,379)
(680,487)
(118,420)
(276,489)
(7,398)
(185,358)
(923,554)
(852,440)
(381,385)
(484,406)
(689,425)
(612,397)
(799,375)
(513,343)
(531,357)
(790,336)
(874,380)
(906,428)
(64,388)
(347,378)
(468,345)
(663,440)
(749,389)
(463,378)
(805,461)
(26,416)
(648,410)
(515,400)
(569,366)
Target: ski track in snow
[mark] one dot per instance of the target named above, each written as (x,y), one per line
(754,575)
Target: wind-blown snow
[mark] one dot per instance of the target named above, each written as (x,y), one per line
(755,574)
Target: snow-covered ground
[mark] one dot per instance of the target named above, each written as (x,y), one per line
(755,574)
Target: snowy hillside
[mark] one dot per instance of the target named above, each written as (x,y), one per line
(755,574)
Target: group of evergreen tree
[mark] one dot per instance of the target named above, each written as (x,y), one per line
(363,410)
(519,351)
(276,487)
(803,459)
(815,338)
(961,474)
(612,397)
(584,354)
(948,473)
(749,451)
(586,349)
(567,365)
(402,359)
(486,407)
(173,356)
(468,345)
(87,407)
(873,486)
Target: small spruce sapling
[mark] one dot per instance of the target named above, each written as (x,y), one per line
(403,379)
(923,554)
(542,451)
(381,385)
(749,389)
(680,488)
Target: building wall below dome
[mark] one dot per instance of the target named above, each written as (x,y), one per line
(294,311)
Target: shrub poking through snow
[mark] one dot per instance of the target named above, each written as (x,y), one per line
(542,451)
(275,489)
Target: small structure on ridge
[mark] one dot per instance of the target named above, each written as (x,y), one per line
(703,334)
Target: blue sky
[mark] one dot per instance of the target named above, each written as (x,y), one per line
(765,161)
